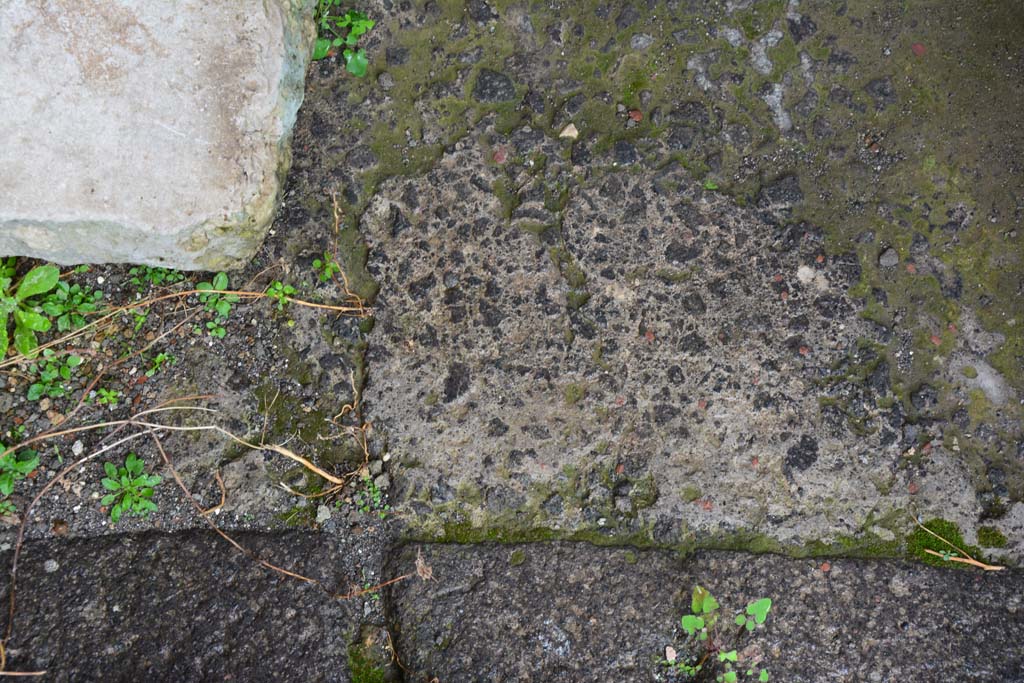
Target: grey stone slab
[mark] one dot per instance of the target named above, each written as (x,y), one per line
(573,612)
(185,607)
(147,132)
(657,362)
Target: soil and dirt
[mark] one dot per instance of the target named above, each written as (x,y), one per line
(666,277)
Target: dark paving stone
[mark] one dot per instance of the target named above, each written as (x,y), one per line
(184,607)
(574,612)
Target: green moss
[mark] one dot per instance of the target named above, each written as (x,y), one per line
(690,494)
(644,493)
(517,557)
(920,540)
(969,372)
(576,299)
(630,557)
(363,666)
(991,537)
(574,393)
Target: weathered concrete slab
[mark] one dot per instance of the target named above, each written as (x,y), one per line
(147,132)
(188,607)
(572,612)
(657,363)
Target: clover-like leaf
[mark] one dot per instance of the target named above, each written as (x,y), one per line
(759,609)
(729,656)
(763,677)
(692,623)
(356,62)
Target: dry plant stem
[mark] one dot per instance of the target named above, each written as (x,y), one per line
(199,509)
(253,556)
(966,559)
(223,496)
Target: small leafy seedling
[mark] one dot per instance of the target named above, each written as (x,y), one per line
(107,397)
(142,277)
(131,490)
(158,363)
(280,292)
(217,303)
(712,647)
(326,268)
(341,30)
(51,372)
(68,305)
(14,466)
(371,499)
(15,302)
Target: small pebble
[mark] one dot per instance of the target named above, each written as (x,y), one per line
(50,566)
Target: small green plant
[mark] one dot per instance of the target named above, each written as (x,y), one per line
(16,302)
(341,30)
(145,276)
(51,372)
(131,490)
(139,316)
(107,397)
(158,363)
(68,305)
(712,648)
(280,292)
(371,499)
(217,303)
(710,185)
(326,268)
(14,466)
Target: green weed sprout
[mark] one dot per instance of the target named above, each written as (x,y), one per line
(712,647)
(341,30)
(14,302)
(130,489)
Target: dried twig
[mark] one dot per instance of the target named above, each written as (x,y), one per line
(966,559)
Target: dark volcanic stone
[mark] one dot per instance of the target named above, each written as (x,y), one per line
(783,191)
(493,86)
(882,92)
(681,138)
(480,10)
(627,16)
(456,383)
(803,454)
(804,27)
(625,153)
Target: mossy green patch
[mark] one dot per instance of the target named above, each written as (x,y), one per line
(991,537)
(363,667)
(516,557)
(574,393)
(928,539)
